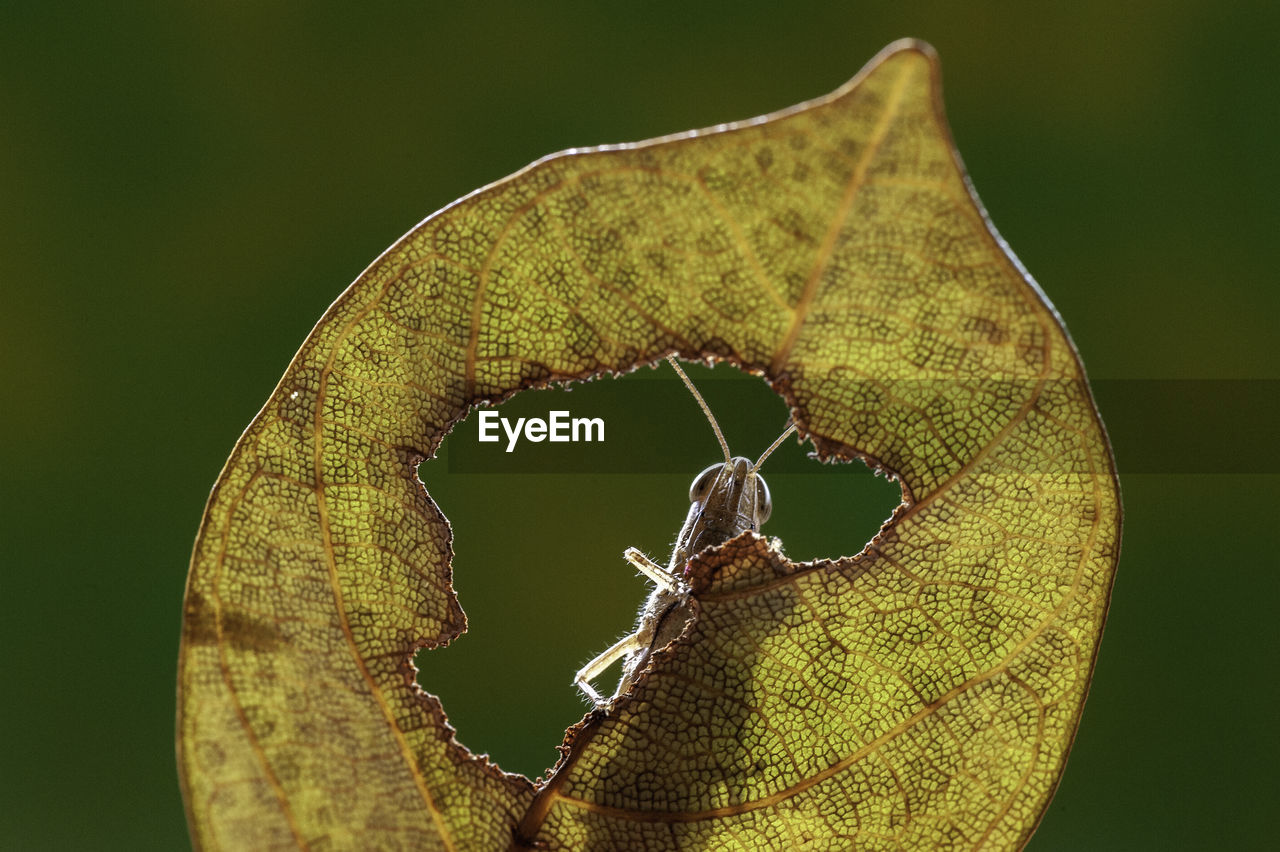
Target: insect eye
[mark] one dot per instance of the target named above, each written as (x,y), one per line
(702,483)
(764,503)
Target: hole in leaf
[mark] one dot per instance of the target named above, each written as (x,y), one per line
(539,534)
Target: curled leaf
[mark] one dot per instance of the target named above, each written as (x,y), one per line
(921,695)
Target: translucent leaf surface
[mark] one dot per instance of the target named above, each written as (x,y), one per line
(921,695)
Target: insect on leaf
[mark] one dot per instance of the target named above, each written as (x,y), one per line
(920,695)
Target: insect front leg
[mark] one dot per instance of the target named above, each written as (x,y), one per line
(655,572)
(592,670)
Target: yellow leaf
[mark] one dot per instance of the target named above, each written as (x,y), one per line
(921,695)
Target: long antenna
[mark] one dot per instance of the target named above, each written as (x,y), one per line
(724,445)
(791,428)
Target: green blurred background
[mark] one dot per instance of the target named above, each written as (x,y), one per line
(187,186)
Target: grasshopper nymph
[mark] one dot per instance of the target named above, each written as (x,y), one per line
(727,498)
